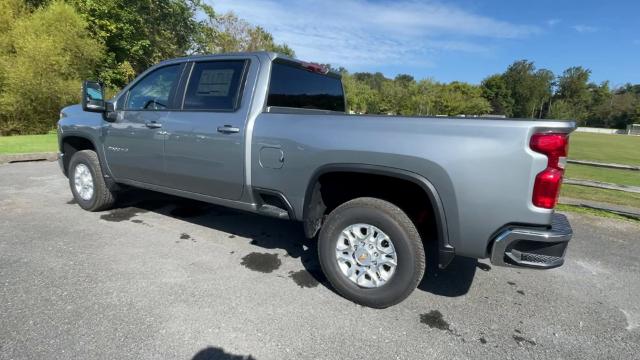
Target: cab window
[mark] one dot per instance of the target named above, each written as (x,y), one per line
(154,91)
(293,86)
(215,85)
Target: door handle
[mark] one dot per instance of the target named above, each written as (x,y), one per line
(153,125)
(228,129)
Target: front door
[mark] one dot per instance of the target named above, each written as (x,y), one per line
(134,143)
(204,149)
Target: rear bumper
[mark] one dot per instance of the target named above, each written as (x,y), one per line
(533,247)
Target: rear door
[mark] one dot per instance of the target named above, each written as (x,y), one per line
(204,149)
(134,143)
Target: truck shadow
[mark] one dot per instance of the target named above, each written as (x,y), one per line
(270,233)
(453,281)
(216,353)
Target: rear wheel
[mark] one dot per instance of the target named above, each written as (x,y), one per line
(87,183)
(371,252)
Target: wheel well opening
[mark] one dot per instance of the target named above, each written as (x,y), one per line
(73,144)
(337,188)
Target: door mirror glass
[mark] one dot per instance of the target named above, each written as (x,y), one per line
(92,96)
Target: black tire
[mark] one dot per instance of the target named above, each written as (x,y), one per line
(405,237)
(103,198)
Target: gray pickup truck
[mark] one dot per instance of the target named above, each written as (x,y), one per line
(269,134)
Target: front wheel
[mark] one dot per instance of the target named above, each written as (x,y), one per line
(371,252)
(87,183)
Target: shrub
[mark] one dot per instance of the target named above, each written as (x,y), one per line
(45,56)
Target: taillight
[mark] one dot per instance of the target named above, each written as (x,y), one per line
(546,188)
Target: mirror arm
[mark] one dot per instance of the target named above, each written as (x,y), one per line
(109,113)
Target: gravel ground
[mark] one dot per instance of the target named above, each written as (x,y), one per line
(166,278)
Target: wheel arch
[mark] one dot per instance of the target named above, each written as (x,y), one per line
(71,144)
(310,213)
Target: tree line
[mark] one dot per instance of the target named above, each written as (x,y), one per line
(48,46)
(521,91)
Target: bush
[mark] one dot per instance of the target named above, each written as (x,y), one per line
(45,56)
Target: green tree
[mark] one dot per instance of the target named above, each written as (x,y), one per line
(47,47)
(229,33)
(495,90)
(361,99)
(599,107)
(459,98)
(573,85)
(424,97)
(561,110)
(48,52)
(373,80)
(573,90)
(530,88)
(397,96)
(374,93)
(630,88)
(10,12)
(404,79)
(624,109)
(390,94)
(138,34)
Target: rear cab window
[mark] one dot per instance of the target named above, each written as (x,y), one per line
(215,85)
(294,86)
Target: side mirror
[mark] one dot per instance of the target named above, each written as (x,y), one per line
(93,97)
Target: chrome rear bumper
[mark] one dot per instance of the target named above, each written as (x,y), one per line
(533,247)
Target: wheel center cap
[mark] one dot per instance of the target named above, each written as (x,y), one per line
(363,257)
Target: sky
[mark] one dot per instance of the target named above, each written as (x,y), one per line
(464,40)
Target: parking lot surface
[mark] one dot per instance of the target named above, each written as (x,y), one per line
(165,278)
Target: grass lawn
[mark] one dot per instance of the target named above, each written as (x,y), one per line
(619,149)
(28,144)
(596,212)
(615,176)
(601,195)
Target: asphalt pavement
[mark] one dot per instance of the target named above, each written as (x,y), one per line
(166,278)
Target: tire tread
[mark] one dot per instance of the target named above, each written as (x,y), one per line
(399,216)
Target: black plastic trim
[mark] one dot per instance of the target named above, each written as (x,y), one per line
(106,172)
(68,135)
(446,252)
(278,194)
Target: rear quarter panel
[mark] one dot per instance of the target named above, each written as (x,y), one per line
(482,169)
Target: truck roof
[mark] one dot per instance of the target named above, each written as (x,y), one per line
(267,55)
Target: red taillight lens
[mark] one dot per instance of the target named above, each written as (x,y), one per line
(555,146)
(547,188)
(547,185)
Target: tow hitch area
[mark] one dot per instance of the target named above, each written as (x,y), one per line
(533,247)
